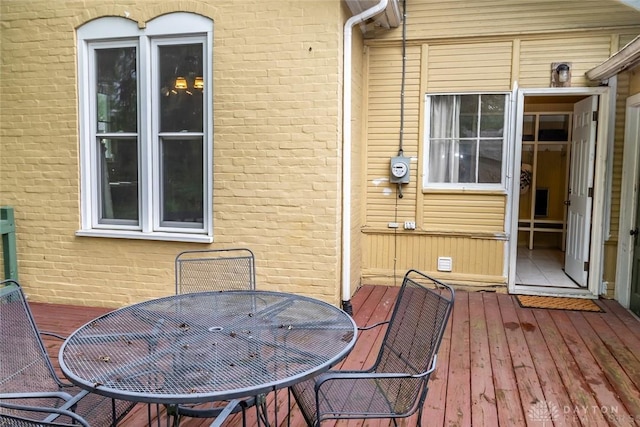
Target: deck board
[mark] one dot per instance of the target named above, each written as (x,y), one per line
(483,397)
(510,411)
(551,383)
(458,408)
(496,361)
(527,380)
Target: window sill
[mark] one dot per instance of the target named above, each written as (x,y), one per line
(138,235)
(488,191)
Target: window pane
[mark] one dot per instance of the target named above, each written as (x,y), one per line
(445,112)
(182,181)
(467,161)
(440,159)
(468,116)
(181,87)
(118,164)
(492,116)
(490,162)
(117,90)
(554,127)
(528,128)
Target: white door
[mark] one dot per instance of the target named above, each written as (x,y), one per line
(583,144)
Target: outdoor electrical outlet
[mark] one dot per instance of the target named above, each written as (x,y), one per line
(393,225)
(409,225)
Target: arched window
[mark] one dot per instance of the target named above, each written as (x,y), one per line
(146,130)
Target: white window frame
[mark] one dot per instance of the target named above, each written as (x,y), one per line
(117,32)
(502,185)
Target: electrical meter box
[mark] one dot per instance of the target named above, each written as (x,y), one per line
(399,173)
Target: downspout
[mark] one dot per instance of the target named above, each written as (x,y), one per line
(346,150)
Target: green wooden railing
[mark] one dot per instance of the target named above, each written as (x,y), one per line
(8,231)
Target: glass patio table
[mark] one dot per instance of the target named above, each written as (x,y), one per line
(207,346)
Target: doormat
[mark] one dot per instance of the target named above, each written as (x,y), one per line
(558,303)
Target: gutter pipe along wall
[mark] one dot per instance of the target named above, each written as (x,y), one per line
(346,149)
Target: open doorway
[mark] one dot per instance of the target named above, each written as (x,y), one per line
(553,208)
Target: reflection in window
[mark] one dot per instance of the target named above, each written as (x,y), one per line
(182,180)
(181,87)
(116,119)
(119,178)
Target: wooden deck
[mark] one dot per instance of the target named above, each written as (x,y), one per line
(499,364)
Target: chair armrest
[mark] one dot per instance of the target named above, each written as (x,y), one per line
(55,413)
(37,395)
(70,400)
(354,375)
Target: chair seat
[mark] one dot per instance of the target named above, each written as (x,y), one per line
(354,398)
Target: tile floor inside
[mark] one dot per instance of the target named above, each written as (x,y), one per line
(543,267)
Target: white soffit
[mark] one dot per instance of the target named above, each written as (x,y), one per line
(390,18)
(626,58)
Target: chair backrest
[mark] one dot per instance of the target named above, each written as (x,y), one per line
(215,270)
(413,337)
(24,363)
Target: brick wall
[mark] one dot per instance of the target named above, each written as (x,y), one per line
(277,138)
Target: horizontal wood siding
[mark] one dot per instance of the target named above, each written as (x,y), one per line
(475,261)
(584,53)
(621,106)
(470,66)
(383,132)
(464,212)
(428,19)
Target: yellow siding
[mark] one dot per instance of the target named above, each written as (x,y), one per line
(634,84)
(428,19)
(480,47)
(468,67)
(383,133)
(464,212)
(473,259)
(584,53)
(621,101)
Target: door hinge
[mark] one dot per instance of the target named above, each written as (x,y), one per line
(595,116)
(586,266)
(590,192)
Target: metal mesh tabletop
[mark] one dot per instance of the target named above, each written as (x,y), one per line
(207,346)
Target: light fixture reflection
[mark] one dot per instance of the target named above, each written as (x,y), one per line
(198,83)
(181,83)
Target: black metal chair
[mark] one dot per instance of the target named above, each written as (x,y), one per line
(31,394)
(216,270)
(397,383)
